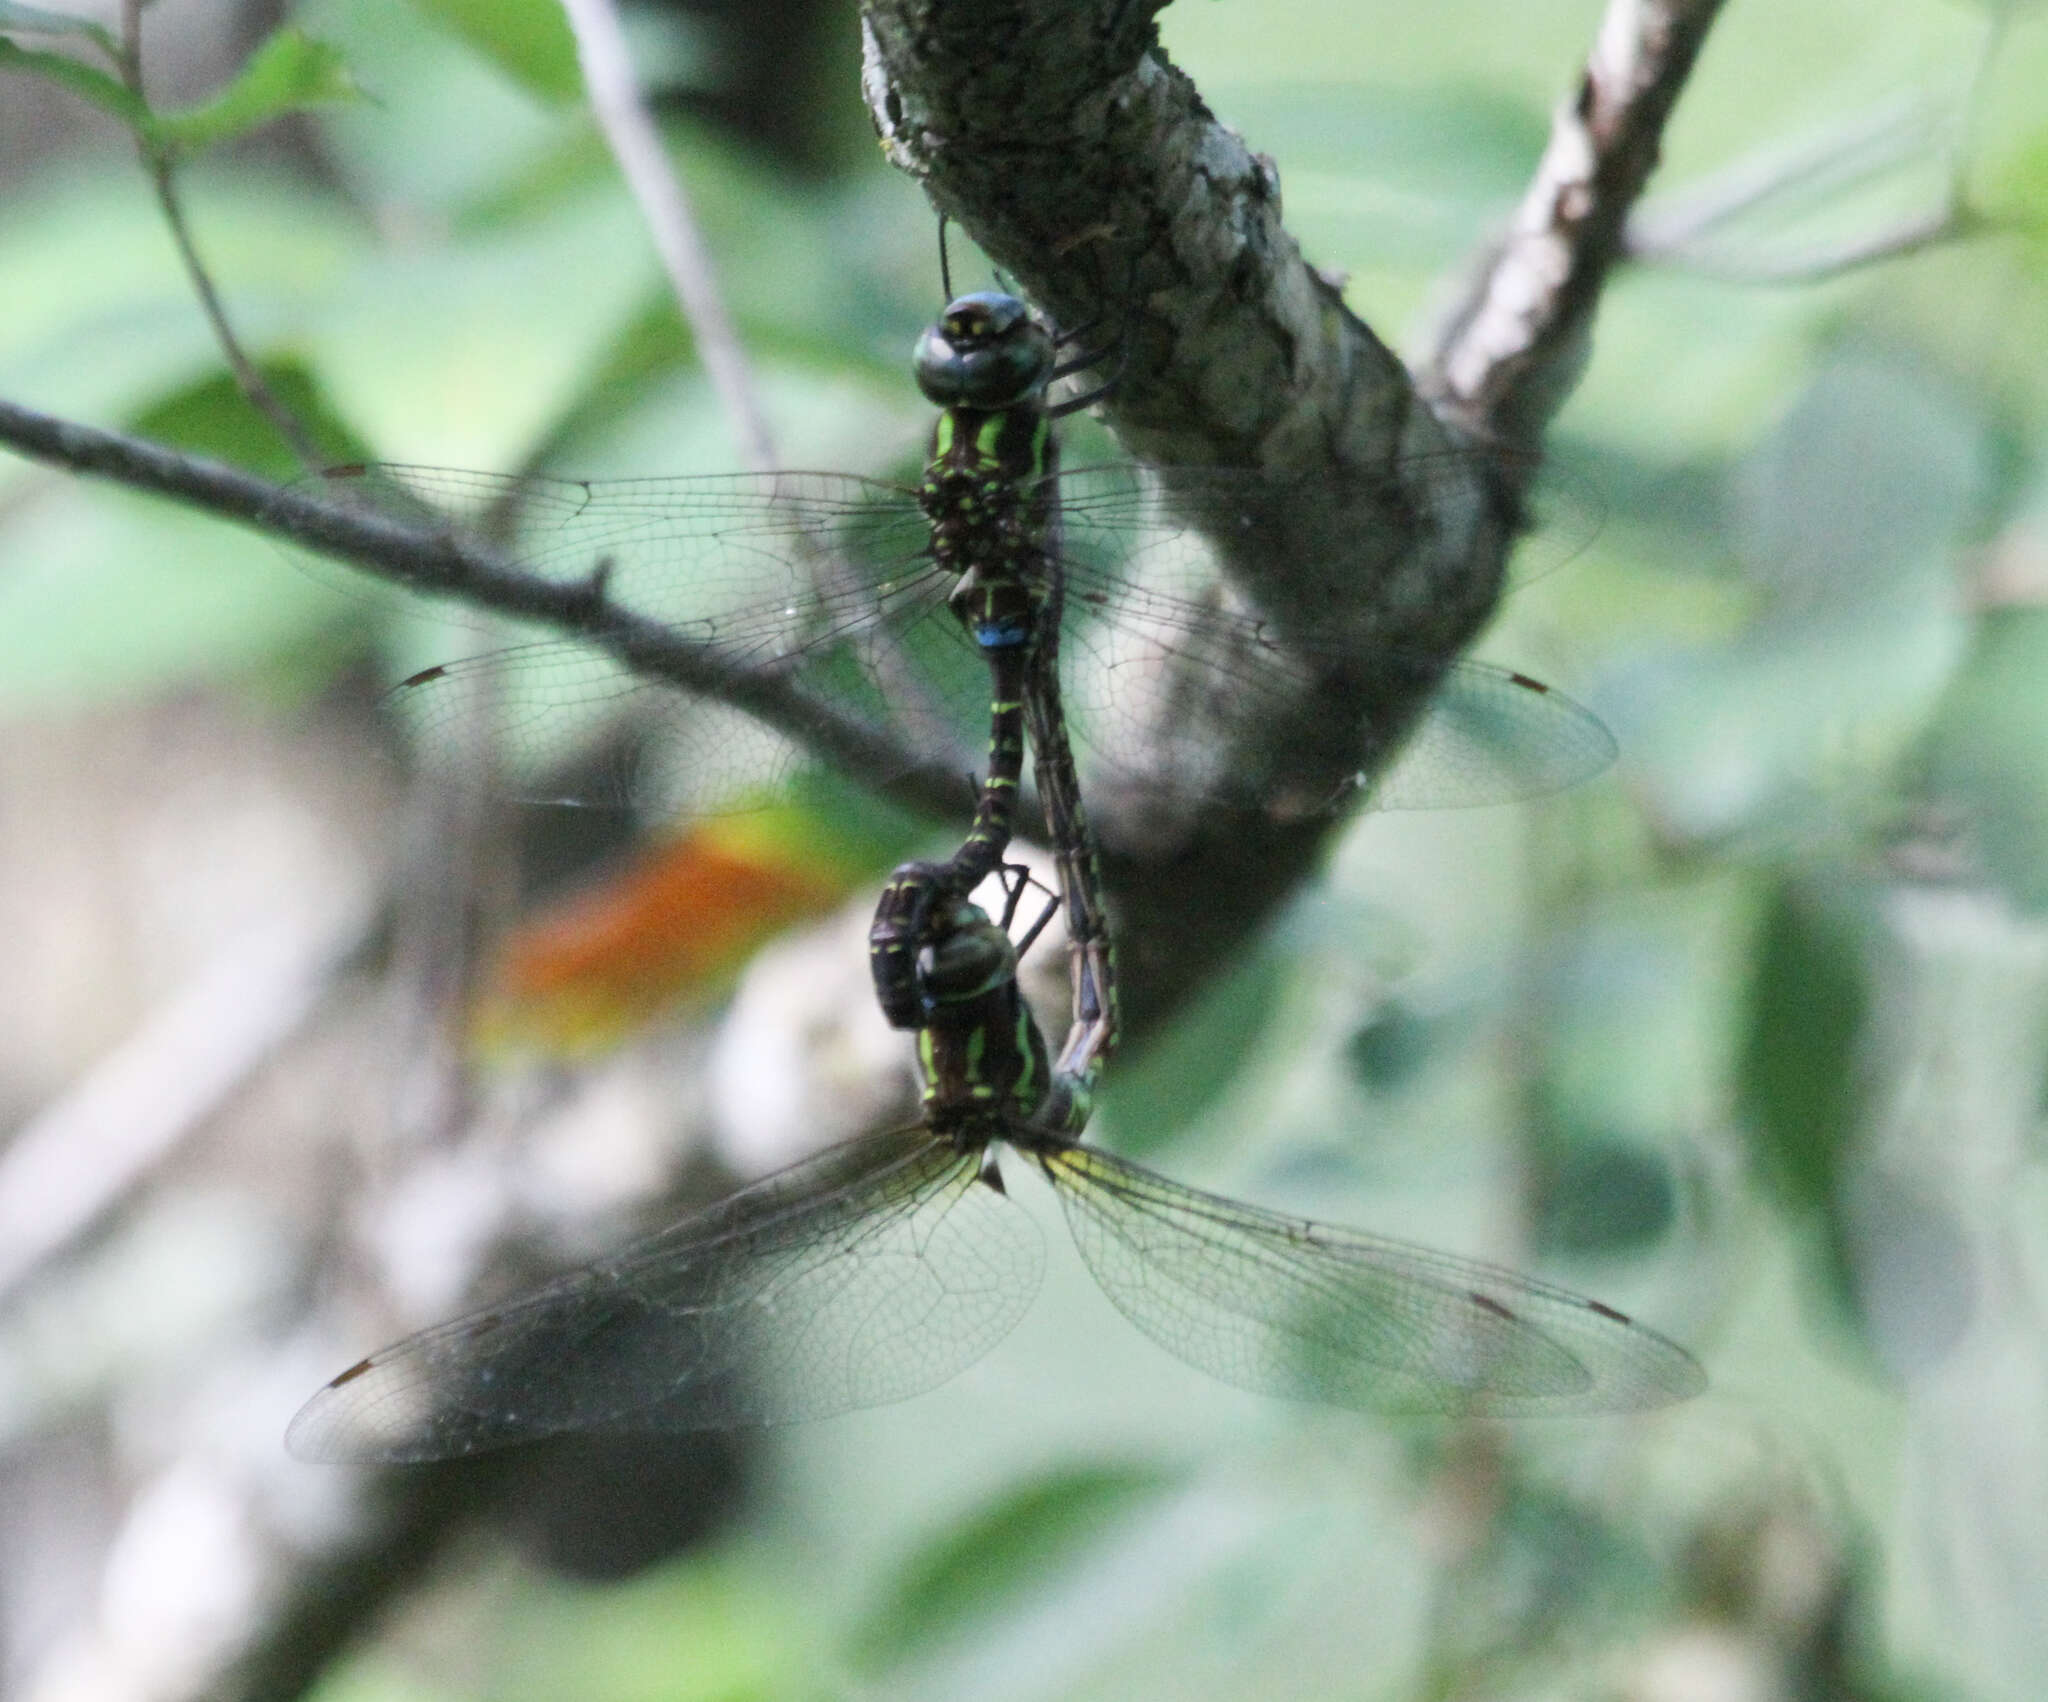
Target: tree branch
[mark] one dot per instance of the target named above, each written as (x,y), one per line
(438,564)
(1090,168)
(1511,351)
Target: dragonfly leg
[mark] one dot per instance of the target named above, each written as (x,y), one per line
(1094,1032)
(1030,939)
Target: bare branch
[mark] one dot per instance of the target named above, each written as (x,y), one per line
(1511,351)
(438,564)
(636,145)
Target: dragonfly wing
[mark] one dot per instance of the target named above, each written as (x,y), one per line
(871,1272)
(1162,659)
(1491,736)
(1284,1306)
(816,580)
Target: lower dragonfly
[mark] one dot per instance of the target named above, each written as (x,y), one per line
(888,1264)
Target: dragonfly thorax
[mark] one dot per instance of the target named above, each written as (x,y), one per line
(987,497)
(980,1055)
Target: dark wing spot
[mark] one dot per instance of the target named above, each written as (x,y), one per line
(992,1174)
(349,470)
(1609,1312)
(1528,684)
(423,676)
(351,1374)
(1487,1303)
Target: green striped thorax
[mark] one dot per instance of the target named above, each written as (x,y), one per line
(985,364)
(982,1060)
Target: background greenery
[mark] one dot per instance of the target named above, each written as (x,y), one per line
(1746,1038)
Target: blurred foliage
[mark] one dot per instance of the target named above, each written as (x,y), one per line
(971,1572)
(289,73)
(1808,1008)
(1649,1032)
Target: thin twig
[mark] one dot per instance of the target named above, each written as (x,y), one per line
(636,145)
(162,169)
(1681,222)
(1821,261)
(439,564)
(1677,230)
(1510,352)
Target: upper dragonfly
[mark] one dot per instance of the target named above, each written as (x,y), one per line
(889,1263)
(850,591)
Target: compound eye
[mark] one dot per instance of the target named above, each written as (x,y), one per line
(1009,369)
(941,368)
(985,352)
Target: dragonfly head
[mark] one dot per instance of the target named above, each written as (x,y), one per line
(986,351)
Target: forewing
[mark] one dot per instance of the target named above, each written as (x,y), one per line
(874,1271)
(1288,1307)
(1491,736)
(822,580)
(1161,658)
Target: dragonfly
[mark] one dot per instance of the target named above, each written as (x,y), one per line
(841,597)
(886,1265)
(990,497)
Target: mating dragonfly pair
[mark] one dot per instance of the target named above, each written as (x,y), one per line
(885,1265)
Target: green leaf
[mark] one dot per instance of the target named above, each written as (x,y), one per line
(288,73)
(1807,1008)
(198,603)
(212,417)
(965,1575)
(34,20)
(89,84)
(1596,1193)
(529,40)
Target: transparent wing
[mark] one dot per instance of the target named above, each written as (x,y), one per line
(1288,1307)
(821,580)
(1160,657)
(1492,736)
(874,1271)
(825,582)
(1443,491)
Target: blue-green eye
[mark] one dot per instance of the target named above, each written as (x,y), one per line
(986,351)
